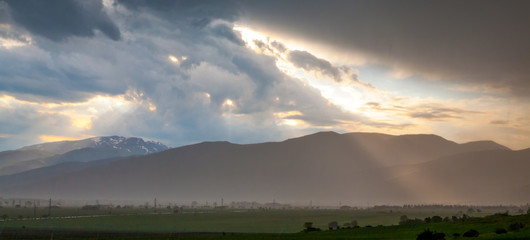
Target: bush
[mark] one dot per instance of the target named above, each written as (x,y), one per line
(516,226)
(500,231)
(456,235)
(308,227)
(430,235)
(436,219)
(333,225)
(471,233)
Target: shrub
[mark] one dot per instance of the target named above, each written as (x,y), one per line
(471,233)
(500,231)
(308,227)
(430,235)
(516,226)
(333,225)
(436,219)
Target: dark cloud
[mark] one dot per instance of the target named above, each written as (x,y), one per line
(468,42)
(431,112)
(196,13)
(37,75)
(279,46)
(499,122)
(60,19)
(225,31)
(308,61)
(438,113)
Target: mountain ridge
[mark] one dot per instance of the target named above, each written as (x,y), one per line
(323,167)
(82,150)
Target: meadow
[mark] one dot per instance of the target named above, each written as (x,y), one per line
(374,223)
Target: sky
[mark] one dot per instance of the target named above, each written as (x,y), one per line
(183,72)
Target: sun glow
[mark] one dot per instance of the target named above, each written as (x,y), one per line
(173,59)
(82,123)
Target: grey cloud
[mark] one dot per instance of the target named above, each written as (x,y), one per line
(437,116)
(196,13)
(499,122)
(279,46)
(433,112)
(188,95)
(60,19)
(25,124)
(475,42)
(260,44)
(438,113)
(226,32)
(34,74)
(308,61)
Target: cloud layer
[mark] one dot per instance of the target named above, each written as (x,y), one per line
(60,19)
(179,72)
(466,42)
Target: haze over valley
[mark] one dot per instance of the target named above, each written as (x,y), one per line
(325,168)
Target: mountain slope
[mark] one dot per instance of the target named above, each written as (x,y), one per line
(324,167)
(10,157)
(39,174)
(135,145)
(493,176)
(76,151)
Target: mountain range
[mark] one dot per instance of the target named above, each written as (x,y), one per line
(326,168)
(48,154)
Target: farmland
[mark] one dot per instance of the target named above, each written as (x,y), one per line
(376,223)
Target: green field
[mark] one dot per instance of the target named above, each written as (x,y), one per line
(257,224)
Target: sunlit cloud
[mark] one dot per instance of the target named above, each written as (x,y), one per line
(5,135)
(50,138)
(387,111)
(69,120)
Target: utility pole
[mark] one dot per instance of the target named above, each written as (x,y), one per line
(50,208)
(155,203)
(34,209)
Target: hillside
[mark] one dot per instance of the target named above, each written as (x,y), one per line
(48,154)
(324,167)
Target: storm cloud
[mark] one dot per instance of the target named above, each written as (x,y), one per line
(170,75)
(308,61)
(464,42)
(184,71)
(60,19)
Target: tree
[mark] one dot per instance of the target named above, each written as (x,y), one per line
(354,223)
(403,220)
(308,225)
(436,219)
(333,225)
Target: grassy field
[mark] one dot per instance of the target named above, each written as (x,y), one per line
(246,221)
(253,224)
